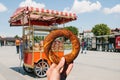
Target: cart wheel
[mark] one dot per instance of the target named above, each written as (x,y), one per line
(41,68)
(27,69)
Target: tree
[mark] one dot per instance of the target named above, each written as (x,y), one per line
(38,38)
(101,29)
(16,36)
(73,29)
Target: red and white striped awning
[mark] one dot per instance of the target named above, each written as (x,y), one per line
(40,16)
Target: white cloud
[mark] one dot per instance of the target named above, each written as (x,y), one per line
(31,3)
(115,9)
(83,6)
(2,8)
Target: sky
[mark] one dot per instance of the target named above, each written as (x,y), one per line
(89,13)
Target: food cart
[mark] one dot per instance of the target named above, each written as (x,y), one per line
(36,24)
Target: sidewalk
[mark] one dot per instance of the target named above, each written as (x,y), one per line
(95,65)
(8,74)
(8,58)
(2,78)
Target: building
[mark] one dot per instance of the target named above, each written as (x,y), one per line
(104,42)
(7,41)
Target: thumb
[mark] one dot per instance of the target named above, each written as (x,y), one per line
(61,64)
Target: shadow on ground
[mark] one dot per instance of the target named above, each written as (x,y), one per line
(21,71)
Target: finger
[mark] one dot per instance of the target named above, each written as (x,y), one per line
(61,64)
(69,68)
(53,65)
(50,69)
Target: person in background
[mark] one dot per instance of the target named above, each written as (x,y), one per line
(31,45)
(17,43)
(60,71)
(84,46)
(25,41)
(21,49)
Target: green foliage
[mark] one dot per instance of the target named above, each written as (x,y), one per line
(16,36)
(73,29)
(101,29)
(38,38)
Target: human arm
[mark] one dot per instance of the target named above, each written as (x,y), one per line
(60,71)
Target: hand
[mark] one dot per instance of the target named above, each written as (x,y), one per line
(60,71)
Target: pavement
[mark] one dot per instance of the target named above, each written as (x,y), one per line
(7,62)
(95,65)
(8,74)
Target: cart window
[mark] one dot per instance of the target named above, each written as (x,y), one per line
(39,37)
(28,38)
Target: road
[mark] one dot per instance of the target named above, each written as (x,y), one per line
(94,65)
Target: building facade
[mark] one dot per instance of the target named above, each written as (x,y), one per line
(7,41)
(103,43)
